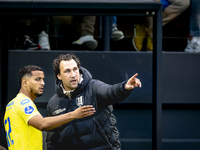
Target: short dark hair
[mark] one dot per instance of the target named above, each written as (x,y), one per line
(27,70)
(65,57)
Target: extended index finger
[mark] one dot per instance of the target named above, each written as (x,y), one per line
(134,76)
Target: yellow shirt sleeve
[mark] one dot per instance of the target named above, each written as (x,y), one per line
(27,109)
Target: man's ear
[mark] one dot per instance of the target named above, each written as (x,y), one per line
(24,82)
(58,76)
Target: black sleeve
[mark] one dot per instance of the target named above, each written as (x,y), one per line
(110,94)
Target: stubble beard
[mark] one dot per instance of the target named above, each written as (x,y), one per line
(34,92)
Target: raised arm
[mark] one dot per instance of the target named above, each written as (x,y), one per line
(111,94)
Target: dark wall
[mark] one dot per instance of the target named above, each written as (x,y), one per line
(180,78)
(180,96)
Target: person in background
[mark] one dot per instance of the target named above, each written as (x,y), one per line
(42,25)
(171,10)
(75,88)
(23,27)
(87,32)
(193,43)
(116,34)
(23,122)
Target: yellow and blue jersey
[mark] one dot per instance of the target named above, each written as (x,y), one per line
(20,135)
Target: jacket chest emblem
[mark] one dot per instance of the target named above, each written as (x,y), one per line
(79,101)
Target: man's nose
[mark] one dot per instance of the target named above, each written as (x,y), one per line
(72,73)
(42,82)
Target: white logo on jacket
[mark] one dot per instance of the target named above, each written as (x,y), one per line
(58,111)
(79,101)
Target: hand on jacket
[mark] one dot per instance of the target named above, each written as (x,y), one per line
(133,82)
(83,111)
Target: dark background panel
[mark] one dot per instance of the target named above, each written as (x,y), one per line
(134,124)
(180,77)
(135,128)
(125,65)
(177,145)
(180,129)
(181,124)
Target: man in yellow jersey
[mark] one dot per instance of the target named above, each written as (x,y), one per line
(23,122)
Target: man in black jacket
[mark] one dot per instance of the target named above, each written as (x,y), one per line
(74,88)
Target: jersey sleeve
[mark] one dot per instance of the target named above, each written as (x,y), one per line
(27,109)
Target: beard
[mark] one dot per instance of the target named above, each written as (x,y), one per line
(34,92)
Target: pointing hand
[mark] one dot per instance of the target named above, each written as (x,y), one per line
(133,82)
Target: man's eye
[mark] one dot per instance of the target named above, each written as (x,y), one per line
(75,69)
(67,71)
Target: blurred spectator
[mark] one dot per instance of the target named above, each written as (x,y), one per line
(171,10)
(87,32)
(116,34)
(142,31)
(24,26)
(193,43)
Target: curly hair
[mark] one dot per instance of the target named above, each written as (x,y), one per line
(65,57)
(27,70)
